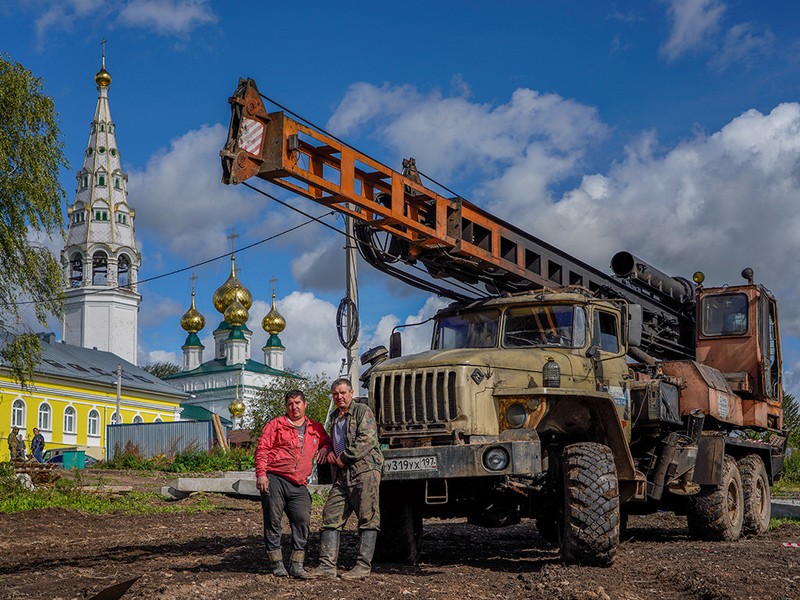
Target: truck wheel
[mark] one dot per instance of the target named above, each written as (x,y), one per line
(400,535)
(717,512)
(755,490)
(590,522)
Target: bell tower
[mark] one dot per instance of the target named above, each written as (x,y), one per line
(100,258)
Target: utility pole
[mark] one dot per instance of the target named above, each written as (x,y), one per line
(352,294)
(118,420)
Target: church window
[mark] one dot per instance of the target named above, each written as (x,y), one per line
(101,180)
(116,419)
(123,271)
(113,152)
(99,269)
(117,183)
(45,417)
(85,180)
(89,151)
(101,150)
(69,420)
(94,127)
(18,413)
(93,428)
(102,127)
(76,270)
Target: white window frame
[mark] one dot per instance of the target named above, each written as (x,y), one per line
(93,423)
(138,419)
(18,410)
(158,420)
(70,420)
(45,417)
(116,419)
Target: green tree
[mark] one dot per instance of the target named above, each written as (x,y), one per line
(270,400)
(162,369)
(31,155)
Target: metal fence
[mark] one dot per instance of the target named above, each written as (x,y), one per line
(154,439)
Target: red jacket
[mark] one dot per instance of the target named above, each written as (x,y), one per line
(279,450)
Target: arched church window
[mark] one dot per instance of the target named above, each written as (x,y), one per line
(117,183)
(123,271)
(99,268)
(102,127)
(101,180)
(18,414)
(85,180)
(101,150)
(76,270)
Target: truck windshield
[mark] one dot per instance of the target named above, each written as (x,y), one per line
(558,325)
(467,330)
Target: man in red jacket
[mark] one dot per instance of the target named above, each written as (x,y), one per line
(284,459)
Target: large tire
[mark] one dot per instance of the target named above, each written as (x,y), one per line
(755,490)
(400,535)
(590,520)
(717,512)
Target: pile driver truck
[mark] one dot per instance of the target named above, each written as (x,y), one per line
(561,393)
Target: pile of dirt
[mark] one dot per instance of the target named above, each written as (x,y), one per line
(219,554)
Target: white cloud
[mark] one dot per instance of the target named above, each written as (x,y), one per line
(167,17)
(693,22)
(160,356)
(179,195)
(742,45)
(446,134)
(155,309)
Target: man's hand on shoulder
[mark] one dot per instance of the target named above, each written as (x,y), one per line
(262,483)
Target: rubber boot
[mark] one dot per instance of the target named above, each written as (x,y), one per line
(296,565)
(276,563)
(328,554)
(365,551)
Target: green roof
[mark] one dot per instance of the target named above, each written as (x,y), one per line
(225,325)
(192,340)
(218,366)
(193,412)
(274,342)
(236,333)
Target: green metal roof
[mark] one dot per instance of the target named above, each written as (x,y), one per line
(218,366)
(192,340)
(274,342)
(193,412)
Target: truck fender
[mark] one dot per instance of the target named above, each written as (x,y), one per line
(710,457)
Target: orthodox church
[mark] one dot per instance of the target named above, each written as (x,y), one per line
(228,382)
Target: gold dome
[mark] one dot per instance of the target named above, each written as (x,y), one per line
(103,77)
(236,314)
(273,321)
(192,321)
(236,408)
(232,290)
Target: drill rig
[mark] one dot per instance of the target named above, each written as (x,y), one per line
(561,393)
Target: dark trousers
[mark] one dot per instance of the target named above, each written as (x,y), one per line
(285,497)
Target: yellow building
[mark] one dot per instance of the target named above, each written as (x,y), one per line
(73,397)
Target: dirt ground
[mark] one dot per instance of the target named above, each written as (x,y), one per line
(219,554)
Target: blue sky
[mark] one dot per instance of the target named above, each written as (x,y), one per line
(670,129)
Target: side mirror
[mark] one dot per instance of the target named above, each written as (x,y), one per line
(395,345)
(635,320)
(593,352)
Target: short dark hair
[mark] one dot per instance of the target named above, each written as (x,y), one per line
(340,381)
(294,394)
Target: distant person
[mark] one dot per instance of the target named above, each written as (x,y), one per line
(13,443)
(37,445)
(21,447)
(284,460)
(357,461)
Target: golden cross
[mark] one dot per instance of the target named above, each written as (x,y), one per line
(273,281)
(232,237)
(193,278)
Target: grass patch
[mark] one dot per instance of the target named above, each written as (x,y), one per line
(778,523)
(68,494)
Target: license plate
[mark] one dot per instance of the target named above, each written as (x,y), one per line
(405,465)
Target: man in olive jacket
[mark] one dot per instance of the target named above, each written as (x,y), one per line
(357,461)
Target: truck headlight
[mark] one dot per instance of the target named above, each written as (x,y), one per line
(516,415)
(495,459)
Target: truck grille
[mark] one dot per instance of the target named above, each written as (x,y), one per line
(416,401)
